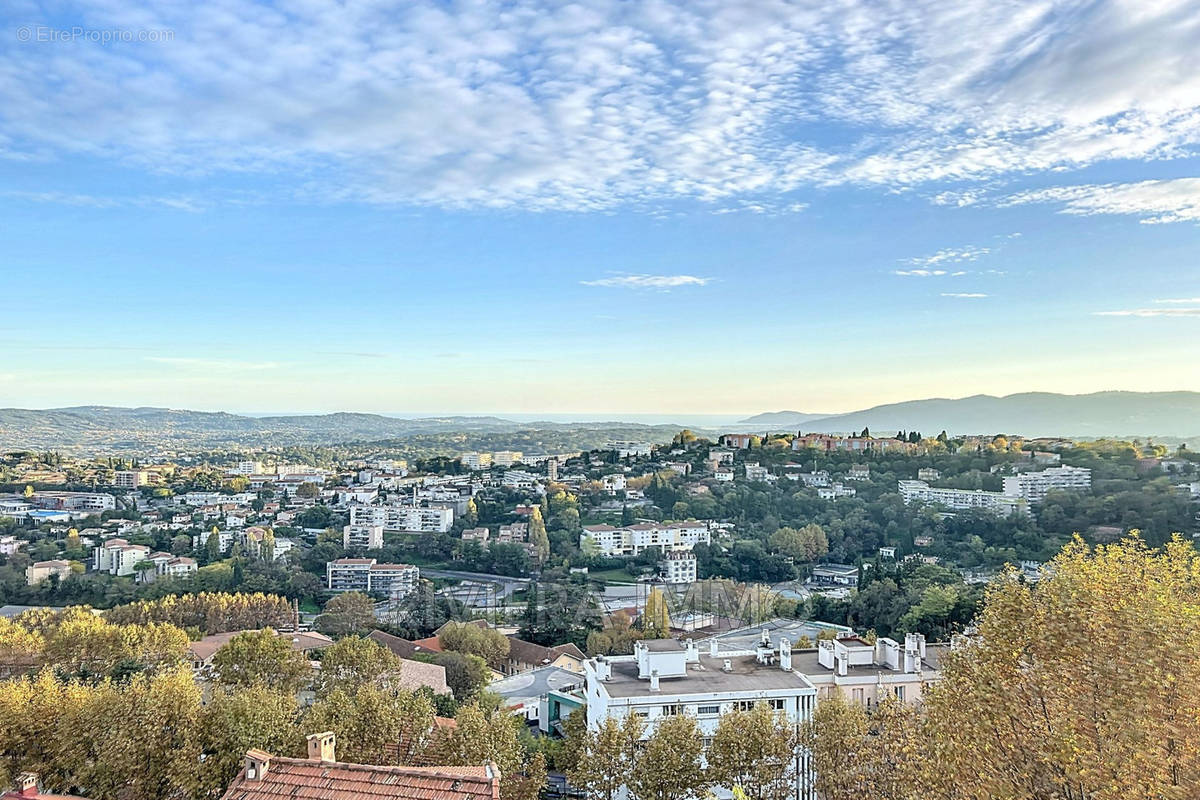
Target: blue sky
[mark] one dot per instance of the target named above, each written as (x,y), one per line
(605,207)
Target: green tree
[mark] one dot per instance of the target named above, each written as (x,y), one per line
(605,756)
(465,637)
(261,658)
(481,736)
(235,721)
(671,766)
(347,613)
(755,750)
(355,661)
(370,723)
(656,620)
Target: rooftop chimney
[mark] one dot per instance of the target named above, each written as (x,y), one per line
(321,747)
(712,647)
(603,668)
(27,784)
(727,666)
(654,680)
(785,655)
(257,764)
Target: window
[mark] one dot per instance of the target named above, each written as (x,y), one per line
(708,709)
(744,705)
(670,711)
(640,714)
(777,705)
(857,696)
(899,692)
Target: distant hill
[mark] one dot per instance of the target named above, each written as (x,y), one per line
(109,429)
(1031,414)
(778,420)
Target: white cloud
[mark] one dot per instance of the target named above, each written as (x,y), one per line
(1155,202)
(949,255)
(1151,312)
(1179,300)
(602,103)
(964,295)
(648,281)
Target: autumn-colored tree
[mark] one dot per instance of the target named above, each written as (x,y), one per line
(604,756)
(347,613)
(372,724)
(755,750)
(262,658)
(235,721)
(836,738)
(656,619)
(494,735)
(354,661)
(538,536)
(1085,685)
(804,544)
(671,765)
(487,643)
(211,612)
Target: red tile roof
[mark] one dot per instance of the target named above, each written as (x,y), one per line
(305,779)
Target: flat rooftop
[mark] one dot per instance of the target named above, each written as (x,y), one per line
(790,629)
(747,676)
(806,661)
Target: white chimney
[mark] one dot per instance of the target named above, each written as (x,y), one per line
(603,668)
(654,680)
(785,655)
(841,662)
(321,747)
(727,666)
(257,764)
(693,652)
(712,648)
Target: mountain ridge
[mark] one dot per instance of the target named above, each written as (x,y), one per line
(1107,413)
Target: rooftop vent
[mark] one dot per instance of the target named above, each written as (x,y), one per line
(727,666)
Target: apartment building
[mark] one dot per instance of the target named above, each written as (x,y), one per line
(738,441)
(506,458)
(868,673)
(476,461)
(404,519)
(859,472)
(245,468)
(627,449)
(133,478)
(39,571)
(513,534)
(852,444)
(678,567)
(166,565)
(836,491)
(1034,486)
(633,539)
(74,501)
(614,483)
(370,577)
(480,534)
(999,502)
(757,472)
(366,537)
(665,677)
(929,474)
(118,557)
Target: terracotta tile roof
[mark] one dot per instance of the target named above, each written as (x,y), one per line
(536,655)
(305,779)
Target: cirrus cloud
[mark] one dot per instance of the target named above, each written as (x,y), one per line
(648,281)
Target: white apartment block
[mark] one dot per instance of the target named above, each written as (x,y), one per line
(519,479)
(166,565)
(664,678)
(367,576)
(118,557)
(756,472)
(929,474)
(476,461)
(633,539)
(132,478)
(920,491)
(407,519)
(836,491)
(723,475)
(1034,486)
(367,537)
(74,501)
(245,468)
(678,566)
(225,540)
(866,674)
(815,479)
(614,483)
(506,458)
(626,449)
(859,472)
